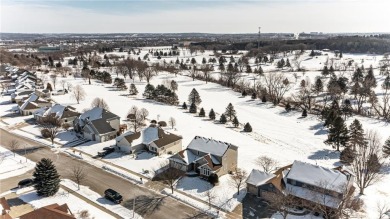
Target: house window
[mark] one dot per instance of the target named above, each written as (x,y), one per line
(206,172)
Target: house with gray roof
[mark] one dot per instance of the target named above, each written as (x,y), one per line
(66,114)
(311,185)
(152,138)
(31,104)
(206,156)
(97,124)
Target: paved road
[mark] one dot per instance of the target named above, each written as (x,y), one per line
(148,204)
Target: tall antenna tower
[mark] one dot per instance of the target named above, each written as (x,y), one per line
(258,40)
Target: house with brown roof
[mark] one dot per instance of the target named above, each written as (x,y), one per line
(206,156)
(152,138)
(53,211)
(31,104)
(97,124)
(66,114)
(4,209)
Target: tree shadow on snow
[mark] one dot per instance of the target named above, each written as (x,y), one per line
(144,205)
(325,154)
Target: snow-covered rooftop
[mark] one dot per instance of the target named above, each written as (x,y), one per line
(317,176)
(149,135)
(92,114)
(258,177)
(209,146)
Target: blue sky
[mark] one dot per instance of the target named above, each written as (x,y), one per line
(218,16)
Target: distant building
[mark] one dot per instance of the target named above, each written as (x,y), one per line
(49,48)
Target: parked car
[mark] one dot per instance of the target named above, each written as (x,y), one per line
(113,196)
(25,183)
(106,151)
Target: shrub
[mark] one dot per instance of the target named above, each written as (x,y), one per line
(45,133)
(254,96)
(202,112)
(247,127)
(244,93)
(184,106)
(304,113)
(193,108)
(223,119)
(213,179)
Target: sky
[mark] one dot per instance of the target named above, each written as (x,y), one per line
(185,16)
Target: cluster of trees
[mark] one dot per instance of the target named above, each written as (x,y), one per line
(161,94)
(120,83)
(161,53)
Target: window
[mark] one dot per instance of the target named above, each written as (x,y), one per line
(206,172)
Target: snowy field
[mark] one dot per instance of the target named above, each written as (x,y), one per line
(75,204)
(13,165)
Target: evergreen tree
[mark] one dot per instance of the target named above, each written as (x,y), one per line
(244,93)
(386,83)
(304,113)
(318,86)
(341,55)
(247,127)
(264,99)
(386,148)
(212,114)
(222,119)
(236,123)
(369,80)
(48,87)
(356,135)
(248,69)
(325,71)
(288,107)
(204,60)
(46,178)
(194,97)
(288,65)
(347,155)
(193,108)
(202,112)
(338,134)
(357,75)
(329,114)
(149,91)
(230,112)
(331,69)
(133,89)
(184,106)
(254,95)
(346,109)
(312,53)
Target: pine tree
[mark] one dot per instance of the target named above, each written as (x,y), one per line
(341,55)
(264,99)
(194,97)
(312,53)
(325,71)
(193,108)
(202,112)
(304,113)
(212,114)
(386,148)
(236,123)
(133,89)
(244,93)
(222,119)
(288,107)
(149,91)
(184,106)
(46,178)
(247,127)
(346,109)
(347,155)
(48,87)
(356,135)
(338,134)
(318,86)
(230,112)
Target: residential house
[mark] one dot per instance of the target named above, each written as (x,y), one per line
(97,124)
(31,104)
(310,184)
(66,114)
(206,156)
(18,97)
(152,138)
(53,211)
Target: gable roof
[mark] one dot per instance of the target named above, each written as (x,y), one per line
(317,176)
(209,163)
(96,113)
(58,110)
(50,212)
(210,146)
(101,126)
(257,177)
(165,138)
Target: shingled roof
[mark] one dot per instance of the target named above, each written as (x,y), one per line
(50,212)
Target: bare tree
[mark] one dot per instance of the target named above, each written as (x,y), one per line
(4,86)
(53,79)
(383,210)
(266,163)
(210,195)
(68,86)
(144,113)
(368,162)
(281,203)
(169,176)
(277,85)
(99,102)
(149,73)
(14,146)
(237,179)
(137,118)
(78,93)
(172,122)
(63,83)
(79,174)
(51,126)
(206,69)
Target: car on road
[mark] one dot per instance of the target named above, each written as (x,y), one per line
(113,196)
(25,183)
